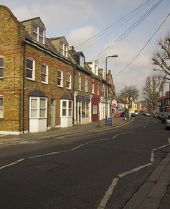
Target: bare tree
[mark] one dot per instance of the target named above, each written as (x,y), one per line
(128,95)
(152,90)
(161,59)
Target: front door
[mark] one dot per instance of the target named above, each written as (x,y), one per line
(52,113)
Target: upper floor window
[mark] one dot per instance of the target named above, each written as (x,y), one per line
(98,88)
(60,78)
(79,83)
(64,49)
(86,85)
(93,86)
(81,61)
(30,69)
(38,34)
(68,81)
(1,67)
(1,107)
(44,73)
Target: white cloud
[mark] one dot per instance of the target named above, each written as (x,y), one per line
(79,35)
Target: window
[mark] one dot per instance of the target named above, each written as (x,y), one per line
(66,108)
(68,81)
(79,83)
(34,108)
(86,85)
(43,108)
(44,73)
(81,61)
(98,88)
(64,49)
(38,34)
(38,107)
(1,107)
(93,86)
(1,67)
(94,109)
(60,78)
(30,69)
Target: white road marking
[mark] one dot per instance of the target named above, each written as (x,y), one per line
(153,155)
(108,193)
(134,170)
(11,164)
(169,140)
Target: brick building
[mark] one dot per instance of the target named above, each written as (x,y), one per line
(43,84)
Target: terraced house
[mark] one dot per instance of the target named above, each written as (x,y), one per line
(43,82)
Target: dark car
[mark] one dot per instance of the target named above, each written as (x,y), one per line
(133,114)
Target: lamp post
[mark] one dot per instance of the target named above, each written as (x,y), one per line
(106,89)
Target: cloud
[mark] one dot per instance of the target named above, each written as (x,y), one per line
(79,35)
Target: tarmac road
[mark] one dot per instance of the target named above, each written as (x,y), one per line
(99,170)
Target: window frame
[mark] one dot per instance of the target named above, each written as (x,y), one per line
(45,74)
(79,83)
(2,67)
(68,108)
(93,89)
(38,34)
(38,108)
(86,85)
(68,81)
(33,69)
(60,78)
(2,107)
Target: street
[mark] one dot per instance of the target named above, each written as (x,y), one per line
(100,170)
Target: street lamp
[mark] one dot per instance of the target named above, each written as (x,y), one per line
(106,89)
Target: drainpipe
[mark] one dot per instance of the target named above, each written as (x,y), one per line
(23,91)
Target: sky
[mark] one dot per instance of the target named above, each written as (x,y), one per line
(102,28)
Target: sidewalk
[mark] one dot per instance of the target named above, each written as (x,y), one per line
(59,132)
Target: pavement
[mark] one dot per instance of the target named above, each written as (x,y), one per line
(153,194)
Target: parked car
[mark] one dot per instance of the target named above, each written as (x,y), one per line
(167,122)
(147,114)
(133,114)
(164,116)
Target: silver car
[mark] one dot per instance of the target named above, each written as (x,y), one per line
(167,121)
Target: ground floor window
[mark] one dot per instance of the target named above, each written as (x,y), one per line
(85,109)
(1,107)
(94,109)
(66,108)
(38,107)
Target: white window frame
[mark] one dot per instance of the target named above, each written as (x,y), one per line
(45,74)
(33,68)
(94,109)
(86,84)
(38,35)
(68,80)
(64,49)
(93,86)
(81,61)
(2,107)
(38,107)
(68,109)
(2,67)
(60,78)
(79,83)
(98,88)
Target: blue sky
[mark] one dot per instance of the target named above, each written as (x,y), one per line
(80,20)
